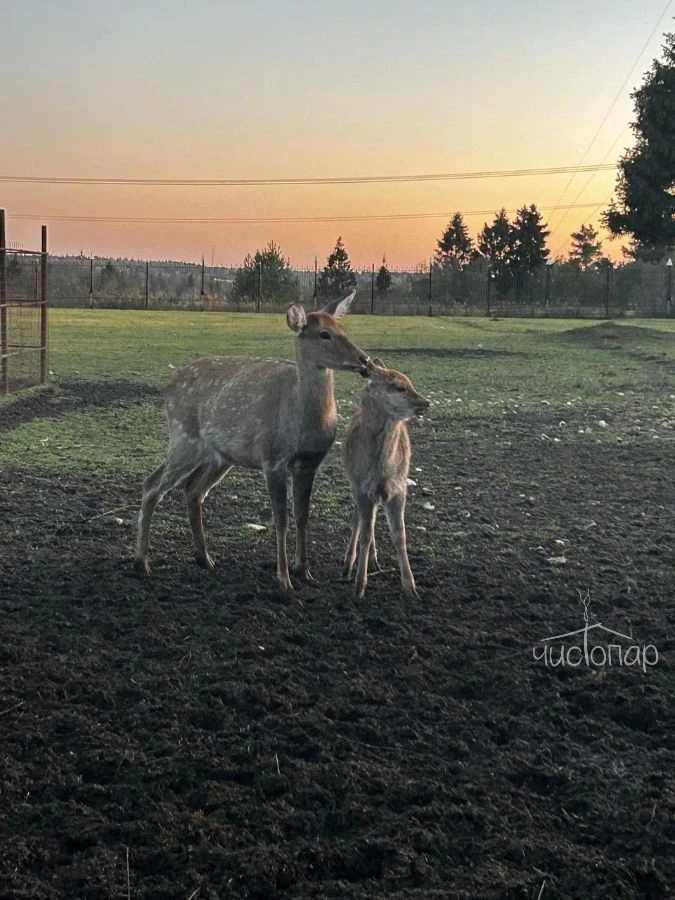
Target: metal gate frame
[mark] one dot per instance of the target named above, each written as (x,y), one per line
(41,300)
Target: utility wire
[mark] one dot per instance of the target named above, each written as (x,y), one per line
(585,185)
(258,182)
(606,116)
(258,221)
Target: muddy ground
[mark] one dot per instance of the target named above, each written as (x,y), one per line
(194,735)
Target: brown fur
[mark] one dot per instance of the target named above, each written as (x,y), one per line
(377,459)
(264,414)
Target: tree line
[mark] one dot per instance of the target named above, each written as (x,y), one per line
(512,250)
(643,210)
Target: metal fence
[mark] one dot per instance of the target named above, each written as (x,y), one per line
(24,310)
(554,290)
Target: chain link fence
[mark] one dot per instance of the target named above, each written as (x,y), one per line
(558,290)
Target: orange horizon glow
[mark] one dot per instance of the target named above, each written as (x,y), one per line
(221,90)
(405,242)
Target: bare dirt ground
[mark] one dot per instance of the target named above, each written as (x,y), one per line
(200,736)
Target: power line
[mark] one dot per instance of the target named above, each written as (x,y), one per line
(258,182)
(155,220)
(607,114)
(585,185)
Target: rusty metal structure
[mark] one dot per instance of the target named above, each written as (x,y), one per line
(24,314)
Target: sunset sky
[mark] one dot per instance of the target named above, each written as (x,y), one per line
(262,90)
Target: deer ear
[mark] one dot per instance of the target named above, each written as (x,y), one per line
(339,308)
(296,318)
(378,362)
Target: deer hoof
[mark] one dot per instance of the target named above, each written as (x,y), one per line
(303,573)
(205,561)
(285,583)
(141,566)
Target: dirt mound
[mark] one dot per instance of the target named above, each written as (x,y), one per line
(610,331)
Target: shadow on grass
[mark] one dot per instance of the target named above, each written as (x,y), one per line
(72,395)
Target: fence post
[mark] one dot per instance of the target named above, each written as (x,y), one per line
(489,282)
(372,290)
(44,309)
(201,292)
(669,295)
(258,287)
(91,282)
(3,305)
(609,269)
(147,283)
(316,274)
(431,298)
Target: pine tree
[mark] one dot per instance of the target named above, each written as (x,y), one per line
(496,243)
(337,277)
(586,249)
(529,241)
(454,247)
(644,207)
(268,272)
(383,279)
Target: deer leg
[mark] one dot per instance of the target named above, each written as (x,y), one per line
(367,511)
(278,490)
(350,555)
(196,488)
(303,481)
(176,468)
(148,505)
(395,508)
(374,563)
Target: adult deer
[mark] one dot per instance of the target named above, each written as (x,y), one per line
(377,460)
(266,414)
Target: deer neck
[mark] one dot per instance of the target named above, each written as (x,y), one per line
(381,430)
(317,415)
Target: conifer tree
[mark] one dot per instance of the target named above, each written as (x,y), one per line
(496,244)
(268,272)
(529,241)
(337,277)
(454,246)
(644,207)
(586,249)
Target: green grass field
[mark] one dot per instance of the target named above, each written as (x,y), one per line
(471,369)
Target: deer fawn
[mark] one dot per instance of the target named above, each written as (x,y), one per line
(277,416)
(377,460)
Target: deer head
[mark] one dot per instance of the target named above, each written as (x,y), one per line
(393,392)
(321,341)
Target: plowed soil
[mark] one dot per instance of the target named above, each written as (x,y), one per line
(195,735)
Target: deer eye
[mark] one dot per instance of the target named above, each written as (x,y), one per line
(400,389)
(325,336)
